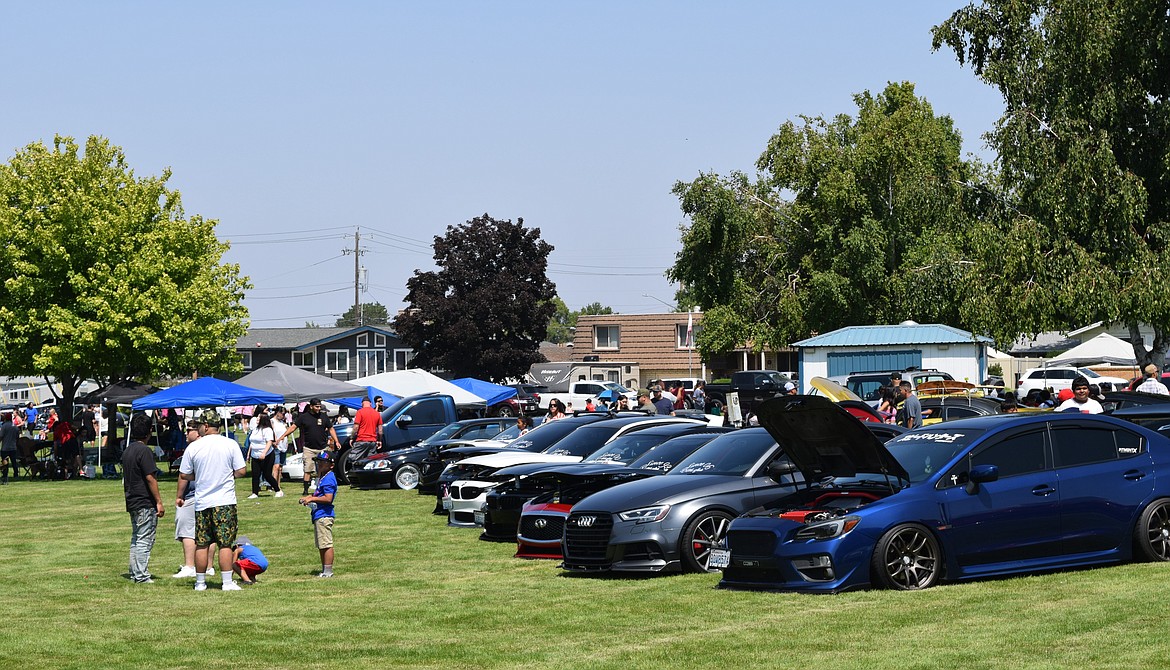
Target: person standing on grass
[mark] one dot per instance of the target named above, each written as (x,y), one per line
(185,515)
(367,427)
(213,462)
(262,449)
(9,456)
(279,426)
(320,506)
(143,501)
(30,416)
(316,432)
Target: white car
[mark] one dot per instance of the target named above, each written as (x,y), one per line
(1058,377)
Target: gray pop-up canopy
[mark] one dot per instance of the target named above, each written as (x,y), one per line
(297,385)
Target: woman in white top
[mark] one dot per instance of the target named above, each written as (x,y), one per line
(261,448)
(279,425)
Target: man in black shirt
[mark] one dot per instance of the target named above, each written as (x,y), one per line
(9,433)
(316,433)
(143,502)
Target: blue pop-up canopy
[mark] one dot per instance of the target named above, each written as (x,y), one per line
(491,393)
(206,392)
(371,391)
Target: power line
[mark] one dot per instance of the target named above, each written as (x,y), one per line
(286,288)
(301,269)
(292,318)
(299,295)
(289,232)
(278,240)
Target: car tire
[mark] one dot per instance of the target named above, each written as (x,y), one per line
(703,533)
(906,558)
(505,411)
(341,472)
(1151,536)
(406,476)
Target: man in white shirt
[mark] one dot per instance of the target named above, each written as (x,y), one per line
(1151,384)
(1081,401)
(213,462)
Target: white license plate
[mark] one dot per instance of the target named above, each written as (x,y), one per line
(447,504)
(479,518)
(720,558)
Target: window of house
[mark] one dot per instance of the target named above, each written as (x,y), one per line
(363,340)
(402,358)
(303,359)
(680,336)
(337,360)
(379,340)
(606,337)
(246,357)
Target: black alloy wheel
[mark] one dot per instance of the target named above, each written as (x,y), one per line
(1151,537)
(342,466)
(703,533)
(907,558)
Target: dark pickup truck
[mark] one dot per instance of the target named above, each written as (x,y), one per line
(753,387)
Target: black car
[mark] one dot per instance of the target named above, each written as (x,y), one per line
(950,407)
(503,505)
(1115,400)
(402,468)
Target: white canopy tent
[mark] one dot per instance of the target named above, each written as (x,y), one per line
(413,382)
(1103,349)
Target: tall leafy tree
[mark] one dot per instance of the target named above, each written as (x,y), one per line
(1084,161)
(561,322)
(372,314)
(484,312)
(851,220)
(103,276)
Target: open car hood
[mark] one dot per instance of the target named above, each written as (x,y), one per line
(824,440)
(832,390)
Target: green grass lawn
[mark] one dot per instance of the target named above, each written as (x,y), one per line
(411,592)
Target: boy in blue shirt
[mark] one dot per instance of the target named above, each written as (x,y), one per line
(248,561)
(321,506)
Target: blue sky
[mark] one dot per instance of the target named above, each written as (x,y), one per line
(293,123)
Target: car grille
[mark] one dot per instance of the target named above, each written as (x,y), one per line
(543,528)
(463,517)
(587,538)
(751,543)
(509,500)
(466,492)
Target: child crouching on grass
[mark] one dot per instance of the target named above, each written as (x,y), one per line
(320,505)
(247,560)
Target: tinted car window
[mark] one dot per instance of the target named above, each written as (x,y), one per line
(482,432)
(960,412)
(427,412)
(626,448)
(1015,455)
(583,441)
(664,456)
(1079,446)
(923,451)
(729,454)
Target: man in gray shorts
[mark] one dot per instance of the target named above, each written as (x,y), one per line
(185,518)
(316,433)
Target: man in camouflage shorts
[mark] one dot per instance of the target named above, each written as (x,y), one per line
(213,462)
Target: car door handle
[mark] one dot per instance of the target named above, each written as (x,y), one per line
(1043,490)
(1134,475)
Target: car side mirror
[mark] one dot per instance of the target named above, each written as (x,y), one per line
(777,469)
(404,421)
(981,474)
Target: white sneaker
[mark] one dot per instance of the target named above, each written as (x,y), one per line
(202,586)
(210,572)
(279,494)
(253,496)
(325,575)
(231,586)
(185,571)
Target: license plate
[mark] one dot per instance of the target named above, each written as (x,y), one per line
(720,558)
(479,518)
(447,503)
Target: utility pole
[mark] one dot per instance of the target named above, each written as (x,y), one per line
(357,274)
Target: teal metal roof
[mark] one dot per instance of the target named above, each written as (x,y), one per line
(870,336)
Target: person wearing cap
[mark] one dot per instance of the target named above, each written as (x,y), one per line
(143,501)
(247,560)
(367,425)
(316,431)
(185,514)
(663,405)
(213,462)
(1151,383)
(911,412)
(789,388)
(1081,402)
(320,506)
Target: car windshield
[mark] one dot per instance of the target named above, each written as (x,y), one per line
(583,441)
(616,387)
(1086,372)
(507,435)
(626,448)
(545,435)
(445,433)
(924,451)
(729,454)
(664,456)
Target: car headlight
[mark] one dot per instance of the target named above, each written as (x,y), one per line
(645,514)
(380,464)
(827,530)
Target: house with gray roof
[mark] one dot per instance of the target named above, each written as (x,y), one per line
(858,349)
(339,353)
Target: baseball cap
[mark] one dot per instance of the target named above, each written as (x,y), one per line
(1064,394)
(324,457)
(1151,369)
(789,386)
(314,401)
(209,417)
(241,540)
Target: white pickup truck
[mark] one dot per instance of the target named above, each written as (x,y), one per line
(579,392)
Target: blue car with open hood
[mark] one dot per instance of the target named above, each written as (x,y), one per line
(994,495)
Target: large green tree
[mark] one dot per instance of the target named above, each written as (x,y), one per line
(103,276)
(850,220)
(563,321)
(1084,162)
(372,314)
(484,312)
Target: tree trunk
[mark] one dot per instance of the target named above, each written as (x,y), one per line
(1157,352)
